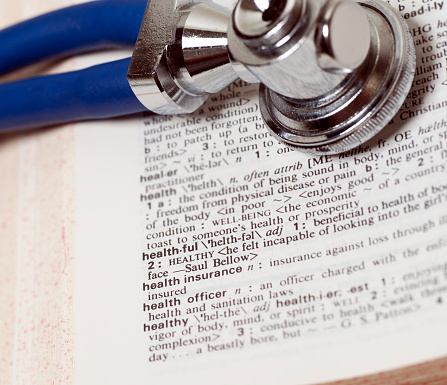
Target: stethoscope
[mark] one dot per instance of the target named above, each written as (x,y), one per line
(332,73)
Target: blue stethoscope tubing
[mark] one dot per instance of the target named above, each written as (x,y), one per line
(97,92)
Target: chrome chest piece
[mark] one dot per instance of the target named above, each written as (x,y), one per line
(333,72)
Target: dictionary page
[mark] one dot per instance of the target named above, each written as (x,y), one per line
(208,252)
